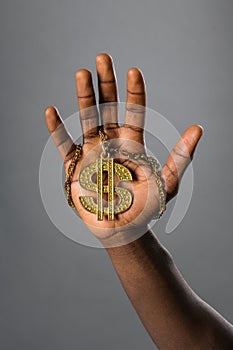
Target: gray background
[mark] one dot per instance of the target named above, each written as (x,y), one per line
(56,294)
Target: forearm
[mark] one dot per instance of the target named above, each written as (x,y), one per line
(174,316)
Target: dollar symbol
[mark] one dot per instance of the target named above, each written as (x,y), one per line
(85,180)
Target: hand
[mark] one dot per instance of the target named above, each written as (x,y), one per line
(128,137)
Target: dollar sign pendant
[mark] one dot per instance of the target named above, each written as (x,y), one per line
(85,179)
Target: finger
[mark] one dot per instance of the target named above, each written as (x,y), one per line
(87,104)
(107,90)
(61,137)
(179,158)
(136,100)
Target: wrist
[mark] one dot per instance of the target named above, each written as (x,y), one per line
(123,238)
(140,248)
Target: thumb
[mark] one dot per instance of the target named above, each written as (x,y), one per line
(179,158)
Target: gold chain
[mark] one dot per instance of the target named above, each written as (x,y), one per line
(155,167)
(102,135)
(153,163)
(69,174)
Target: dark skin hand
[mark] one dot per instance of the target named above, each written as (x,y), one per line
(129,136)
(174,316)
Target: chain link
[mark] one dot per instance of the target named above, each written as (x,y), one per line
(102,134)
(155,167)
(69,174)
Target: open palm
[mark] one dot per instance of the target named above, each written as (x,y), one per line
(125,140)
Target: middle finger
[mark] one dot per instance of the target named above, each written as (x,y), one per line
(108,96)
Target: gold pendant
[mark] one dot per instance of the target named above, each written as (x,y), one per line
(85,179)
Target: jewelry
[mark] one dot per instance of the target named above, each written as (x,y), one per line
(69,174)
(155,167)
(106,163)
